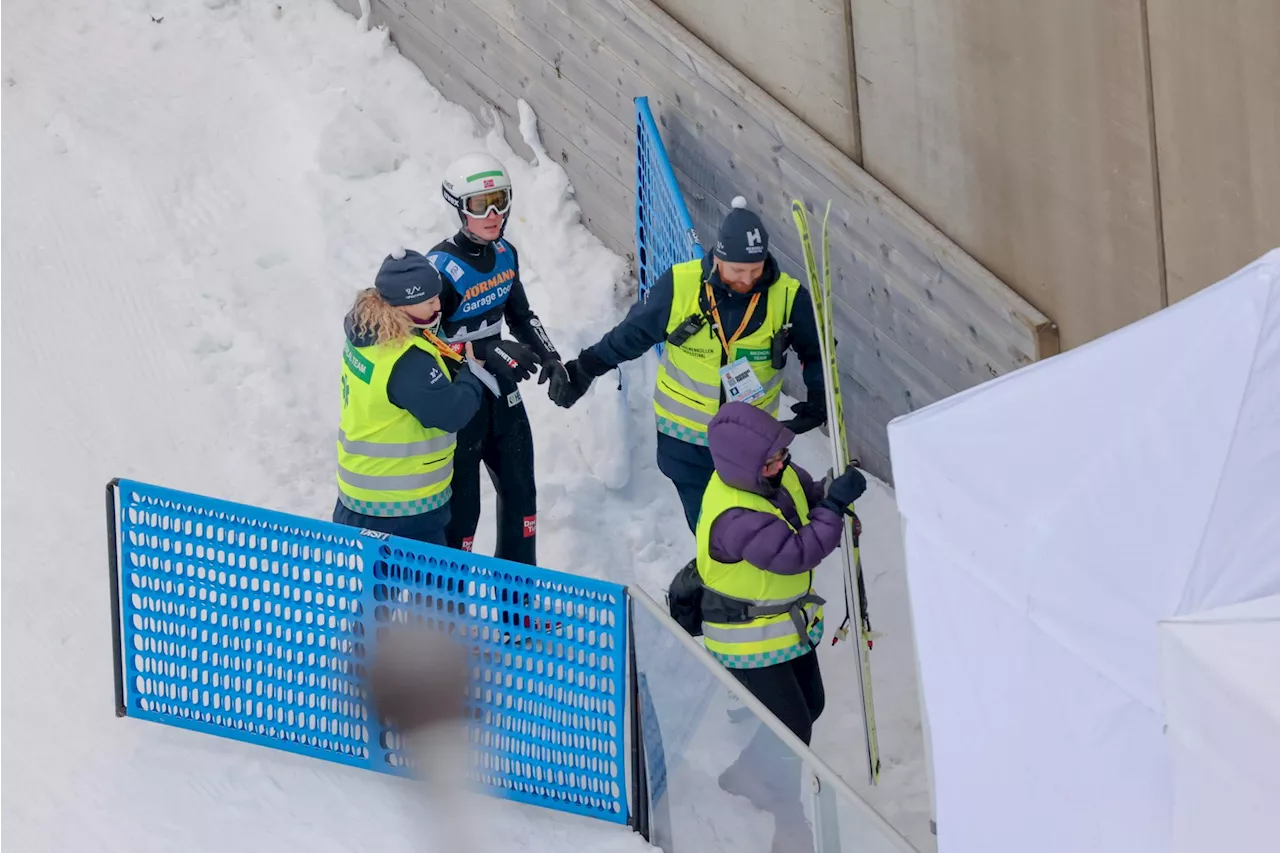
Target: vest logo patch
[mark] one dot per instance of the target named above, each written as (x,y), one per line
(454,271)
(357,363)
(752,355)
(513,399)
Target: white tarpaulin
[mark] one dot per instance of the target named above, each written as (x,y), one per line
(1221,679)
(1053,517)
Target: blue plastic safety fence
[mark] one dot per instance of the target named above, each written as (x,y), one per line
(664,229)
(256,625)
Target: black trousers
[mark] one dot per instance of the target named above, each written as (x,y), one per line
(499,436)
(426,527)
(689,468)
(793,691)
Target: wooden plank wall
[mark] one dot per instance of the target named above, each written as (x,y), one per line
(918,319)
(800,52)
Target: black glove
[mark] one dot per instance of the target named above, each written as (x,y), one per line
(552,369)
(808,415)
(569,384)
(511,359)
(844,490)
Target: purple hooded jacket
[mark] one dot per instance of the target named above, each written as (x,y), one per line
(741,438)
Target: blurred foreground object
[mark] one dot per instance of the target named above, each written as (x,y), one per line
(417,684)
(418,678)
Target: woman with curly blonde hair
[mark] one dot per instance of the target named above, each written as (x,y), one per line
(405,394)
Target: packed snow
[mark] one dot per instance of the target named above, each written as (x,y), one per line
(194,193)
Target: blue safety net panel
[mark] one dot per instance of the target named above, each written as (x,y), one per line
(257,625)
(664,229)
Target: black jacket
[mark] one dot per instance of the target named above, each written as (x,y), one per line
(524,324)
(646,325)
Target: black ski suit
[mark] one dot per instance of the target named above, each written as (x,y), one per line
(481,287)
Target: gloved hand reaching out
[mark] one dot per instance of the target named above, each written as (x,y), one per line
(553,370)
(511,359)
(569,384)
(568,387)
(808,414)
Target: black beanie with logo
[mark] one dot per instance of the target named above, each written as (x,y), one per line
(407,278)
(743,238)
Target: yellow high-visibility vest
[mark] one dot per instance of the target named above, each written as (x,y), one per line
(389,464)
(687,394)
(769,639)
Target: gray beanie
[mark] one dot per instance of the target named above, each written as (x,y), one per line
(743,238)
(407,278)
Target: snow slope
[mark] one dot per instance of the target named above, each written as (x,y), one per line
(194,193)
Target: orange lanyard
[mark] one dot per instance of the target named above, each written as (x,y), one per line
(715,312)
(445,349)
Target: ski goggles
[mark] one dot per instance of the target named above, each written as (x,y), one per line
(482,204)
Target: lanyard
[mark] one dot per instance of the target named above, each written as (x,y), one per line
(715,313)
(445,349)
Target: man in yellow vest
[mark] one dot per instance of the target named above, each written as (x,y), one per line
(405,395)
(727,322)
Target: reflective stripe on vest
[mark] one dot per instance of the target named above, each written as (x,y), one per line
(379,450)
(389,464)
(687,392)
(768,639)
(396,482)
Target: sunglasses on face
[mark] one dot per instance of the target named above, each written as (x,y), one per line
(481,204)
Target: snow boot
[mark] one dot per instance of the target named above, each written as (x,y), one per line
(767,774)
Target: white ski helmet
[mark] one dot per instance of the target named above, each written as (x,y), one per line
(476,184)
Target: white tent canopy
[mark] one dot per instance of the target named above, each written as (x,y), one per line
(1221,678)
(1053,518)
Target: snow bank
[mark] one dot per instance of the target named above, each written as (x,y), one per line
(194,194)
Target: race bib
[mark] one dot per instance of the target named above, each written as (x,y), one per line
(741,385)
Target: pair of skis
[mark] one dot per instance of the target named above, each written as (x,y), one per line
(855,593)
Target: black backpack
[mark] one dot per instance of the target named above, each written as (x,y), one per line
(684,598)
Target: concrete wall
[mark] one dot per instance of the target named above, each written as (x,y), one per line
(1102,157)
(1215,71)
(799,51)
(1021,130)
(918,319)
